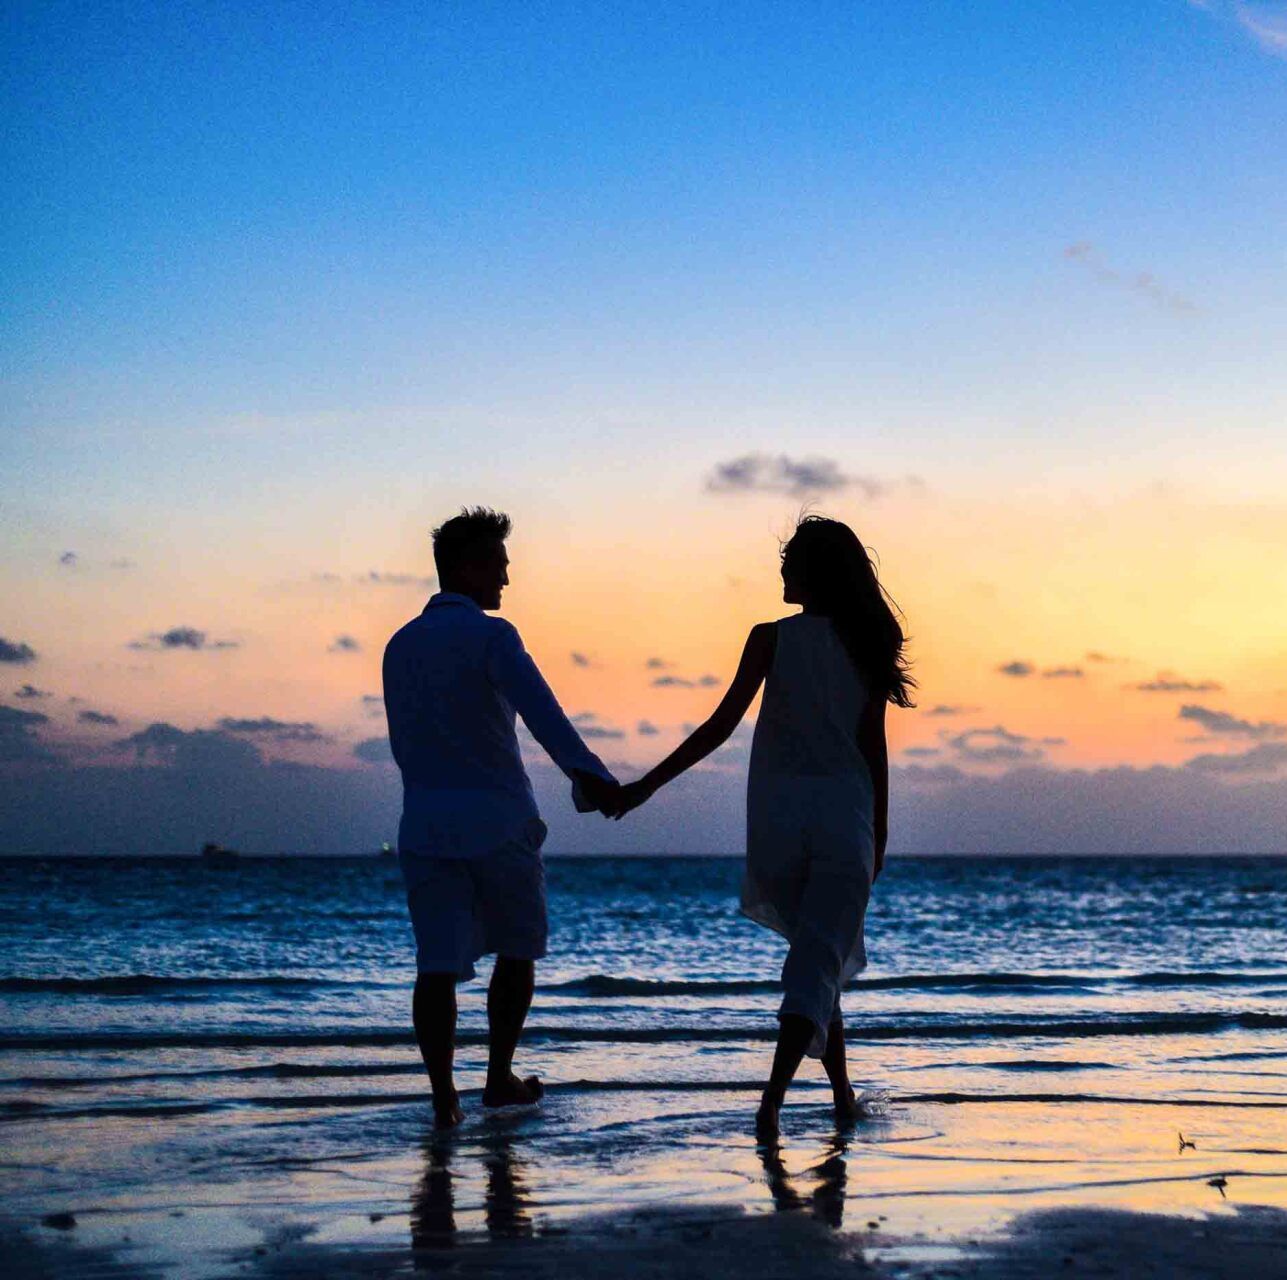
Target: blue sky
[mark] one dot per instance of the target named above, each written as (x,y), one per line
(285,286)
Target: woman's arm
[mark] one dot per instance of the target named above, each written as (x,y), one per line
(871,742)
(757,657)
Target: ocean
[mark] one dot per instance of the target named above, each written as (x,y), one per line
(170,1024)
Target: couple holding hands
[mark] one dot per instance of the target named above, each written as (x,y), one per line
(469,841)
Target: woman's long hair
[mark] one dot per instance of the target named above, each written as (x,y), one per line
(831,569)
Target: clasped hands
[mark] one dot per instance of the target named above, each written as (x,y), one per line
(613,799)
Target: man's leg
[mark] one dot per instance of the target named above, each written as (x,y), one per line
(509,997)
(433,1010)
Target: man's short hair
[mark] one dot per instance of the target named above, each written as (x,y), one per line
(462,537)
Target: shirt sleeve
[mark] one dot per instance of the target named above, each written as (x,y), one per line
(516,676)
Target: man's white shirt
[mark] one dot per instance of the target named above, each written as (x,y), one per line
(454,679)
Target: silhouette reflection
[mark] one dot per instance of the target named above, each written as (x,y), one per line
(506,1201)
(827,1200)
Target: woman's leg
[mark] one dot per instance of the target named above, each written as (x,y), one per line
(794,1035)
(837,1069)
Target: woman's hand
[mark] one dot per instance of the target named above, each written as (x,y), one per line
(631,796)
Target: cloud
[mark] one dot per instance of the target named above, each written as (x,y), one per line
(374,750)
(121,562)
(181,638)
(380,578)
(646,729)
(1168,682)
(922,752)
(658,664)
(18,741)
(1142,283)
(950,709)
(191,750)
(30,691)
(994,746)
(1267,26)
(1017,668)
(587,723)
(1094,655)
(17,653)
(1063,673)
(277,730)
(796,477)
(683,682)
(1223,723)
(97,717)
(374,578)
(580,659)
(344,644)
(1264,758)
(68,559)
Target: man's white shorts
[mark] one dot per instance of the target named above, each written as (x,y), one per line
(464,908)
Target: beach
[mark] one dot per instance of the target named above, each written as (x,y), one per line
(210,1074)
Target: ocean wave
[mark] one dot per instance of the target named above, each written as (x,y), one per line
(147,1109)
(1152,1024)
(605,986)
(137,984)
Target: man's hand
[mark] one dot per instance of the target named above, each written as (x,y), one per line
(601,793)
(631,796)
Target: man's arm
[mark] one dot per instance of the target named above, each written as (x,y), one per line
(517,677)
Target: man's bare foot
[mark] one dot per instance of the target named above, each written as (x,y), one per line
(447,1115)
(766,1121)
(514,1092)
(848,1108)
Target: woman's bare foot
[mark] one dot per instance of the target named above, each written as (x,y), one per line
(514,1092)
(767,1128)
(848,1108)
(448,1114)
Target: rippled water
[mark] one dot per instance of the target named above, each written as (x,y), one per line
(124,982)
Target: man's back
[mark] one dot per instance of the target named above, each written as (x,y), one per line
(449,725)
(453,680)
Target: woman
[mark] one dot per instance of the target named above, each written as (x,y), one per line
(818,796)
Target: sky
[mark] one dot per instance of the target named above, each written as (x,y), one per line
(999,284)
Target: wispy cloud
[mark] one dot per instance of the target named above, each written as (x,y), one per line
(996,746)
(589,726)
(951,709)
(89,716)
(1016,668)
(1063,673)
(277,730)
(1169,682)
(683,682)
(18,741)
(15,652)
(30,691)
(795,477)
(344,644)
(182,638)
(1266,24)
(1143,283)
(69,559)
(646,729)
(1222,722)
(1265,757)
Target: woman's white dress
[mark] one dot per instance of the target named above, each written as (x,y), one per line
(810,848)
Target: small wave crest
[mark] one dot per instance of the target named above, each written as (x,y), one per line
(1139,1025)
(605,986)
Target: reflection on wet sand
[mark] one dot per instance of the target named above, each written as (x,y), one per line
(506,1203)
(827,1200)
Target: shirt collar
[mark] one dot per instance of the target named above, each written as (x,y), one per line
(440,598)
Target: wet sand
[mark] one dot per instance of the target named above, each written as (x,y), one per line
(653,1183)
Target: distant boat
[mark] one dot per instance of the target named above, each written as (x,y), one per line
(388,851)
(215,855)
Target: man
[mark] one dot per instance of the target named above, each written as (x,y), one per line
(470,837)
